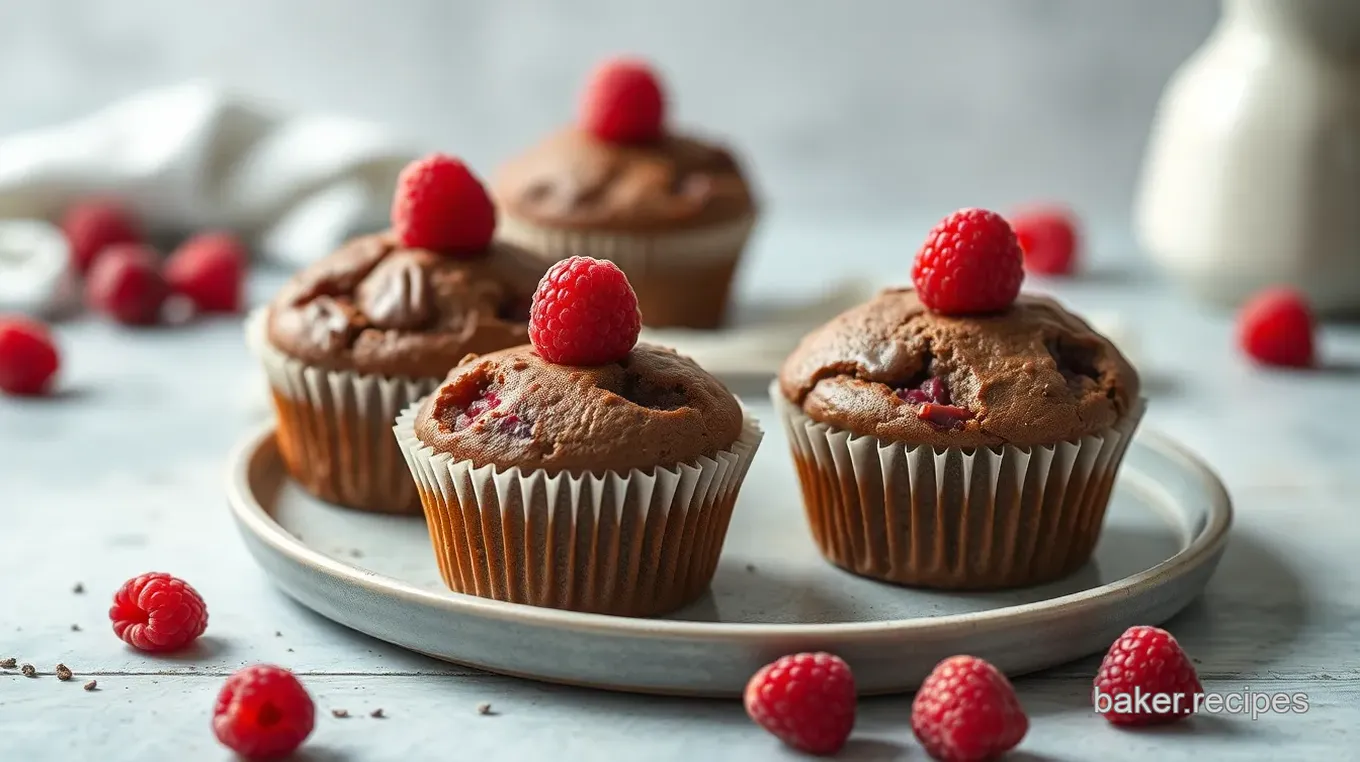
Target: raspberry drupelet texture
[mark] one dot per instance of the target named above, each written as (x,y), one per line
(95,224)
(623,102)
(157,612)
(967,711)
(970,263)
(1146,662)
(806,700)
(28,357)
(584,312)
(210,270)
(441,206)
(263,713)
(126,285)
(1275,328)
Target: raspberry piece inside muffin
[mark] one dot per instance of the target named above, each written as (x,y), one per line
(476,399)
(930,390)
(932,394)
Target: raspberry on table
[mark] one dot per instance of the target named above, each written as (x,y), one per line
(970,263)
(1276,327)
(209,269)
(263,713)
(806,700)
(1049,239)
(623,102)
(440,205)
(95,224)
(29,359)
(126,284)
(157,612)
(967,711)
(584,312)
(1146,679)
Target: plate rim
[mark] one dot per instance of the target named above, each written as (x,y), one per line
(1202,548)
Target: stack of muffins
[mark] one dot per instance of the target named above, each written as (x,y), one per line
(955,435)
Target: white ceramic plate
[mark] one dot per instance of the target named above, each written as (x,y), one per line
(773,594)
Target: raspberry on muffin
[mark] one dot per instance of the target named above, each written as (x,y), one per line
(672,210)
(581,436)
(362,333)
(960,434)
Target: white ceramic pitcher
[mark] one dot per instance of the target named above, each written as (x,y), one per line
(1252,175)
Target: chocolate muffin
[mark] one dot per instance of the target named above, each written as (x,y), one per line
(673,211)
(605,488)
(359,335)
(960,434)
(508,409)
(957,451)
(1033,375)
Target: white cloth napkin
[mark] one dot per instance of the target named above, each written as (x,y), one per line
(194,157)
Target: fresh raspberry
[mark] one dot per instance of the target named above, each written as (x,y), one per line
(1146,679)
(970,263)
(28,357)
(966,711)
(158,612)
(806,700)
(95,224)
(1048,237)
(1275,327)
(126,284)
(263,712)
(440,205)
(584,312)
(210,270)
(623,102)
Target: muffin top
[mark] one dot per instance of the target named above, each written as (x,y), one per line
(377,307)
(653,408)
(620,169)
(1032,374)
(575,180)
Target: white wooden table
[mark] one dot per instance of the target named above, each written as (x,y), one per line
(122,473)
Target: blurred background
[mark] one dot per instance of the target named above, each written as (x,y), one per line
(872,108)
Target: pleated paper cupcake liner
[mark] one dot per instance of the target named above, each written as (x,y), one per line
(335,428)
(629,544)
(954,518)
(682,279)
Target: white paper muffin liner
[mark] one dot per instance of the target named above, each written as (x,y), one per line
(335,427)
(629,544)
(682,278)
(954,518)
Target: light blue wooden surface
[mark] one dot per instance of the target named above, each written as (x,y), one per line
(122,473)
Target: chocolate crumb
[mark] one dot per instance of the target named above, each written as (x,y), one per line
(78,588)
(9,663)
(278,634)
(290,650)
(63,672)
(75,628)
(91,685)
(377,714)
(356,553)
(28,670)
(484,709)
(750,567)
(341,713)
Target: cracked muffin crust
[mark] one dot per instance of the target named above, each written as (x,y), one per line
(655,408)
(573,180)
(374,307)
(1033,375)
